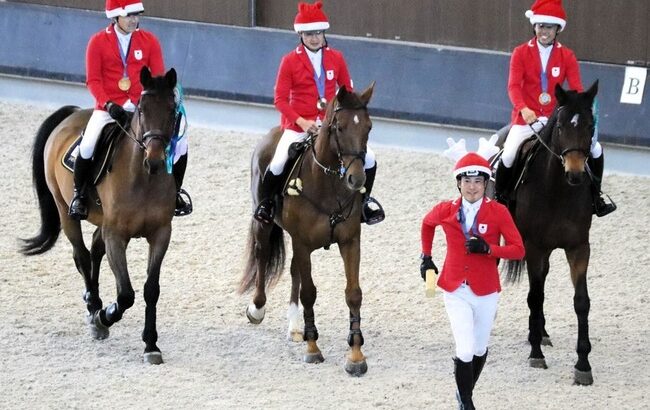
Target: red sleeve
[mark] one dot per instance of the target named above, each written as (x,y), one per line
(94,77)
(516,79)
(513,248)
(573,71)
(283,85)
(156,62)
(427,232)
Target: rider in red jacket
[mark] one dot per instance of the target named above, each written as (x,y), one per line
(473,225)
(308,78)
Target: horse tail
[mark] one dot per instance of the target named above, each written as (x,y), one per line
(274,265)
(50,221)
(514,269)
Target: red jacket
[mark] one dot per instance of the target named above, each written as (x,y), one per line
(479,270)
(296,93)
(104,65)
(524,82)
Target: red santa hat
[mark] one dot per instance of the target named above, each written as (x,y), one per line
(117,8)
(472,165)
(547,11)
(310,17)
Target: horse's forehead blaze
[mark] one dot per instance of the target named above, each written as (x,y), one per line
(356,119)
(574,119)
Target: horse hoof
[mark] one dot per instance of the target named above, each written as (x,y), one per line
(356,369)
(546,341)
(537,363)
(98,330)
(255,315)
(314,357)
(152,357)
(295,336)
(582,378)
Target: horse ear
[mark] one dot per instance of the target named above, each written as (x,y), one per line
(145,76)
(592,91)
(171,77)
(560,95)
(341,93)
(367,94)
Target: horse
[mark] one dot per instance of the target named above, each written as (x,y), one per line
(136,198)
(552,208)
(330,177)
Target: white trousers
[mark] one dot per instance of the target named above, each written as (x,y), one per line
(289,137)
(471,318)
(518,133)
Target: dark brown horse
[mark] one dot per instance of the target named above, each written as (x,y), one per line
(327,210)
(553,208)
(135,199)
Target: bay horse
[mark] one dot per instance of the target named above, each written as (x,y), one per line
(136,198)
(327,210)
(552,208)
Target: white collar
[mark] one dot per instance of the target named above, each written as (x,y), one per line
(469,207)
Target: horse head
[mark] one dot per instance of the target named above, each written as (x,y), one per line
(156,117)
(346,133)
(573,130)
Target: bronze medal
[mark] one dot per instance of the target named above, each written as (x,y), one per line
(544,98)
(321,104)
(124,84)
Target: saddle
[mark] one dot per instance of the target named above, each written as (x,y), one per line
(519,174)
(103,156)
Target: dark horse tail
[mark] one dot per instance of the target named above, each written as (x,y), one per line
(514,269)
(50,222)
(274,265)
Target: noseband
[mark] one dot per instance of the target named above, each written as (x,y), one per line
(356,155)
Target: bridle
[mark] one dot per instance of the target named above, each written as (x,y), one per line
(564,152)
(334,130)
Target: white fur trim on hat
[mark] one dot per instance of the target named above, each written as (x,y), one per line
(472,168)
(134,8)
(541,18)
(318,25)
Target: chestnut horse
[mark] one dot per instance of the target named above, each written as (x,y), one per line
(136,198)
(326,210)
(552,208)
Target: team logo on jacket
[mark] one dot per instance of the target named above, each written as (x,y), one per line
(555,71)
(482,228)
(137,54)
(330,74)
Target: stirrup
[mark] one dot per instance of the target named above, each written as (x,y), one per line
(265,212)
(602,208)
(78,210)
(372,211)
(183,203)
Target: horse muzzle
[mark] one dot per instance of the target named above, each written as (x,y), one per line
(574,166)
(355,181)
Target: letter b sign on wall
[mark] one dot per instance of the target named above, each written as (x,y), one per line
(632,92)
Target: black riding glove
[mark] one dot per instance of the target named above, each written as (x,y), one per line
(427,263)
(116,112)
(476,244)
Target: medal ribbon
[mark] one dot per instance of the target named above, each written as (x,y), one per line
(461,219)
(124,55)
(320,81)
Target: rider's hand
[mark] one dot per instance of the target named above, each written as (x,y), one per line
(528,115)
(476,244)
(427,263)
(309,126)
(116,112)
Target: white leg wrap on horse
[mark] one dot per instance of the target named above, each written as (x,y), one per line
(293,317)
(256,313)
(281,154)
(96,123)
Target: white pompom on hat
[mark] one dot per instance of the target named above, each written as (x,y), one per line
(310,17)
(547,11)
(122,8)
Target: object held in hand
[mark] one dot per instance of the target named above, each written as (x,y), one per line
(430,283)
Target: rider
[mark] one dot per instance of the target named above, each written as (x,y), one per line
(473,225)
(114,58)
(307,78)
(536,66)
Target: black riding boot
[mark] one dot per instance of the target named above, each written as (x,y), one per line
(477,366)
(183,200)
(266,209)
(601,208)
(465,382)
(78,207)
(372,212)
(502,184)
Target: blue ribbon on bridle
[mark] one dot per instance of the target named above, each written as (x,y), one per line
(170,151)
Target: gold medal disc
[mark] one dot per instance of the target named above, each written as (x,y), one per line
(124,84)
(321,104)
(544,98)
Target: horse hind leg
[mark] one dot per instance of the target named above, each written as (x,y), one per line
(538,266)
(295,332)
(91,296)
(301,262)
(578,261)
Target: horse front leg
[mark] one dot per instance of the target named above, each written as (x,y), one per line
(301,262)
(537,263)
(355,364)
(262,247)
(158,245)
(293,313)
(578,262)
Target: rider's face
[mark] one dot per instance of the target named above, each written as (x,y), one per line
(546,33)
(313,40)
(129,23)
(472,188)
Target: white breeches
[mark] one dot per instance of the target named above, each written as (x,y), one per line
(471,318)
(281,154)
(518,133)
